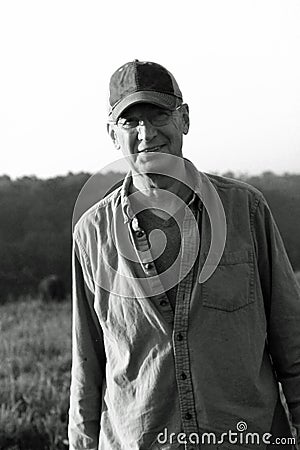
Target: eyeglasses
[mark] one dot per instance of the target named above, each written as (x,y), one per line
(157,119)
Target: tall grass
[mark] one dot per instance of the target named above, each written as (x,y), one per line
(35,355)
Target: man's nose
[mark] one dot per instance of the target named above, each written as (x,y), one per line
(146,131)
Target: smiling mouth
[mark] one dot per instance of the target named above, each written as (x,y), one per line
(152,149)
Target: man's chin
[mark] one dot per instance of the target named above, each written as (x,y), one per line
(155,162)
(151,160)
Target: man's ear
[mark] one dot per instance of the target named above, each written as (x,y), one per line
(113,135)
(185,117)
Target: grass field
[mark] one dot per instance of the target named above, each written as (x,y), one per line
(35,355)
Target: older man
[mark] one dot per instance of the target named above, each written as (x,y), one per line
(178,341)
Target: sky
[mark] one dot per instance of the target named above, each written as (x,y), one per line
(237,63)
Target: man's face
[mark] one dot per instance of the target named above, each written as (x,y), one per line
(148,132)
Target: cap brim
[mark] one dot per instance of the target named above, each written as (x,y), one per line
(155,98)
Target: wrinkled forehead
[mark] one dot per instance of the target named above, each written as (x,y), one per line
(140,109)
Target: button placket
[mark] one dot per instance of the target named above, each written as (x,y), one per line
(180,336)
(163,305)
(142,247)
(140,240)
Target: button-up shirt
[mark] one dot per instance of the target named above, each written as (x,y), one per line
(147,377)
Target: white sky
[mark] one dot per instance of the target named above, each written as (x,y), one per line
(237,63)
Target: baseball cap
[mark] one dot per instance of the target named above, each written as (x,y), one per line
(142,82)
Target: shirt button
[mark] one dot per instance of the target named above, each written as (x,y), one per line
(163,303)
(179,337)
(139,233)
(188,416)
(183,376)
(148,266)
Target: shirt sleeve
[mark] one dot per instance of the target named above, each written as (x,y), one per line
(88,359)
(282,304)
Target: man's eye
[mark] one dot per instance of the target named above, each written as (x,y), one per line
(129,123)
(162,116)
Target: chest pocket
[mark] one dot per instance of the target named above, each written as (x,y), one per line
(231,285)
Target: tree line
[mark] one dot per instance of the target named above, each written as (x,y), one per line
(36,223)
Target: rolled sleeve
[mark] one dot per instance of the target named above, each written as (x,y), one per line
(282,304)
(88,360)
